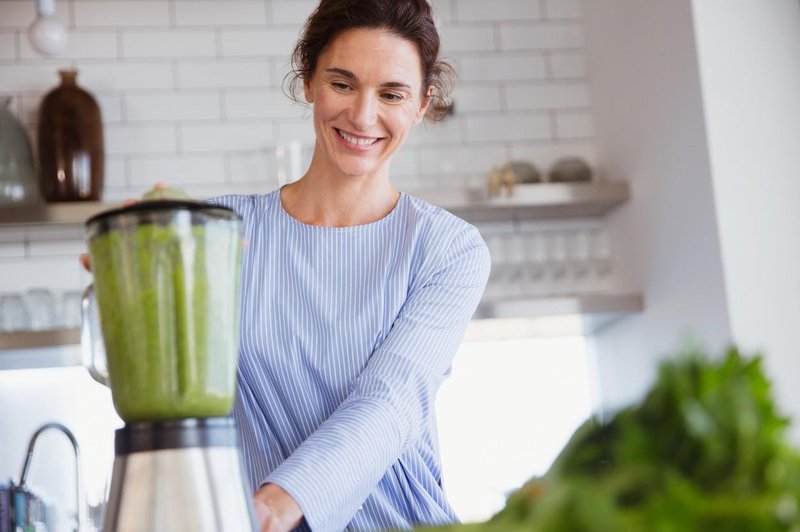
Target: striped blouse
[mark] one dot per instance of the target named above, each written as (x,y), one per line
(346,335)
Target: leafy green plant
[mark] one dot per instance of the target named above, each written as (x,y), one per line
(705,450)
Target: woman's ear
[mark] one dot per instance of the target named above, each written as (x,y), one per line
(308,91)
(423,108)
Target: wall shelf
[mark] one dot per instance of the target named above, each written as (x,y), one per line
(67,213)
(494,319)
(530,201)
(34,339)
(584,314)
(538,200)
(40,349)
(498,319)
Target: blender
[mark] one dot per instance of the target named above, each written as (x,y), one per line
(160,328)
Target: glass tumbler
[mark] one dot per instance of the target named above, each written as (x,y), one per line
(71,309)
(13,313)
(41,304)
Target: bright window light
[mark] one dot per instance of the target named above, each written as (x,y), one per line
(506,412)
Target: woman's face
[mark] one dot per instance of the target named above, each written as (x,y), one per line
(366,96)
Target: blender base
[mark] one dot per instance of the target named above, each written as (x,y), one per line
(178,475)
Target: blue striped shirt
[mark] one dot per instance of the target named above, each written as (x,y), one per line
(346,335)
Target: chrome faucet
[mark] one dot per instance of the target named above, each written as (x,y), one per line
(80,517)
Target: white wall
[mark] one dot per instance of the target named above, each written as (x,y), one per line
(750,72)
(697,104)
(190,93)
(651,132)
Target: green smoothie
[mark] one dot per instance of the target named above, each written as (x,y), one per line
(168,297)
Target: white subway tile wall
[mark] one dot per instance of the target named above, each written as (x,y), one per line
(216,13)
(191,93)
(169,44)
(567,65)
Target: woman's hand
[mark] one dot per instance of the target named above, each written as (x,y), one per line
(84,257)
(85,262)
(276,510)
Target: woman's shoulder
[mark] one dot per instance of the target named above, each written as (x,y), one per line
(430,218)
(443,237)
(447,243)
(245,204)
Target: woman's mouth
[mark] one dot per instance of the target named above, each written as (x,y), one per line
(356,141)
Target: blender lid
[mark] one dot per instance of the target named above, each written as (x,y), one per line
(164,205)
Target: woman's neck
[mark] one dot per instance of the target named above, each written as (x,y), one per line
(339,202)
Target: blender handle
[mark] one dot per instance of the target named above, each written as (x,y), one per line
(93,352)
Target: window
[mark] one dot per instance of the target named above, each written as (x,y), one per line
(505,413)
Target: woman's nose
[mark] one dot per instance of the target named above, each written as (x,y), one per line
(364,112)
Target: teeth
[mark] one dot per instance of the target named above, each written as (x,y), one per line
(357,141)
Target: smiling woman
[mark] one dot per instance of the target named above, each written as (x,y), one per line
(355,296)
(364,105)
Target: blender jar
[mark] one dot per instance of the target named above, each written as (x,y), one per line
(167,281)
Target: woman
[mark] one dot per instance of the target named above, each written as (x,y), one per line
(354,296)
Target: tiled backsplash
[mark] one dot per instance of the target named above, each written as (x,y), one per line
(191,95)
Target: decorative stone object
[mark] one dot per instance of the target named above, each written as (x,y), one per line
(511,174)
(570,170)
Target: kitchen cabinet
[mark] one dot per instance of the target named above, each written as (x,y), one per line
(581,314)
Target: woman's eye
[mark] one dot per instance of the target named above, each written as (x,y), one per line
(392,97)
(340,86)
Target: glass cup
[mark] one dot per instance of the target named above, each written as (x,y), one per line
(600,252)
(557,258)
(578,249)
(514,251)
(71,309)
(41,304)
(536,260)
(13,313)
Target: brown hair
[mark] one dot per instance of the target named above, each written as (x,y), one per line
(409,19)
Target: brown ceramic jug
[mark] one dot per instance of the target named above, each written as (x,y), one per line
(71,153)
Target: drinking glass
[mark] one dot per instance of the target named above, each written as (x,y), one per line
(514,253)
(557,254)
(578,244)
(536,260)
(600,252)
(13,314)
(41,304)
(71,309)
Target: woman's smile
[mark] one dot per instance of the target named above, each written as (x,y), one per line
(357,142)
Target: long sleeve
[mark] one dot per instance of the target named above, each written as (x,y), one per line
(334,470)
